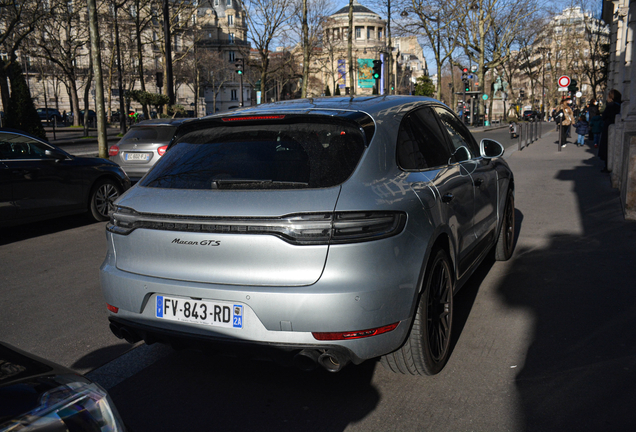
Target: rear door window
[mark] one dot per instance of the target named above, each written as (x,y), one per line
(299,152)
(421,143)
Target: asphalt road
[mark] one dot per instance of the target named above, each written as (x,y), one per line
(511,367)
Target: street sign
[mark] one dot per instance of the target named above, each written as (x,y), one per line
(563,89)
(564,81)
(579,94)
(484,96)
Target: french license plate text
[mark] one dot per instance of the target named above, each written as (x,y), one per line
(213,313)
(137,156)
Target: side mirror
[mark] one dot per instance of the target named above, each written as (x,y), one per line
(491,149)
(54,154)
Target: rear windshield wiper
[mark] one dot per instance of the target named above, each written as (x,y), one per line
(254,184)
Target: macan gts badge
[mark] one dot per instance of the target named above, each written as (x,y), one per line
(322,232)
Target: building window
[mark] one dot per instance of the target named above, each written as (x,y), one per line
(233,95)
(358,32)
(229,3)
(231,37)
(230,20)
(216,2)
(379,33)
(232,58)
(336,34)
(370,32)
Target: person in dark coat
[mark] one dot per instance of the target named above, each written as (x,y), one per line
(609,117)
(592,112)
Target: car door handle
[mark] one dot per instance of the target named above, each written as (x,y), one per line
(447,198)
(479,182)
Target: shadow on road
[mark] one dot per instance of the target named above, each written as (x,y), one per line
(101,356)
(203,391)
(38,229)
(580,369)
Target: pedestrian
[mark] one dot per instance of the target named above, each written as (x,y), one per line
(581,127)
(596,128)
(612,108)
(64,117)
(592,112)
(565,119)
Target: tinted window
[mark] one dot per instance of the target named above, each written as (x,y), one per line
(296,154)
(421,143)
(153,134)
(20,147)
(459,135)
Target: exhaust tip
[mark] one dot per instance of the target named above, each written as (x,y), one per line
(129,335)
(116,330)
(306,360)
(333,361)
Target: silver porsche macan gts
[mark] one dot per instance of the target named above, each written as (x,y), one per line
(328,230)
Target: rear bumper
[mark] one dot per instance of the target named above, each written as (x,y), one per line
(341,301)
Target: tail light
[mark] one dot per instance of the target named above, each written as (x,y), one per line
(358,334)
(113,150)
(162,150)
(298,229)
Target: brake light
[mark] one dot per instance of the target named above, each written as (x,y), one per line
(113,150)
(264,117)
(358,334)
(112,308)
(162,150)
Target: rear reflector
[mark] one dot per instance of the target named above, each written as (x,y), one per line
(266,117)
(112,308)
(113,150)
(355,334)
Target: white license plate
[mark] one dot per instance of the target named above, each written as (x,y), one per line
(137,156)
(212,313)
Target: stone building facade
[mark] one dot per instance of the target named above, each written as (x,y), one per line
(213,26)
(621,16)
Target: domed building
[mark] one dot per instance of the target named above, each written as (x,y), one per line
(368,44)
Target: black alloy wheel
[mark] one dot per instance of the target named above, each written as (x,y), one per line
(427,347)
(104,193)
(506,241)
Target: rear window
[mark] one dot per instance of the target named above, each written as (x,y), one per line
(293,154)
(149,134)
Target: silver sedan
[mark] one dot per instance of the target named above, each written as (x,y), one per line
(329,230)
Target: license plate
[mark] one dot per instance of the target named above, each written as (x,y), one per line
(212,313)
(137,156)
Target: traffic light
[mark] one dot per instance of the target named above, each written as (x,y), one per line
(159,79)
(239,66)
(465,80)
(522,93)
(377,69)
(572,88)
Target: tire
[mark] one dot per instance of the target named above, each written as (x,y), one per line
(427,346)
(506,240)
(103,194)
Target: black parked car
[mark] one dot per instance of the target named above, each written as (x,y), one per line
(38,395)
(53,115)
(41,181)
(530,115)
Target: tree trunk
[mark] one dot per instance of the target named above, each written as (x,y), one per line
(305,51)
(350,50)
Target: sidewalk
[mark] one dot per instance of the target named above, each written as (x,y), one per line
(574,272)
